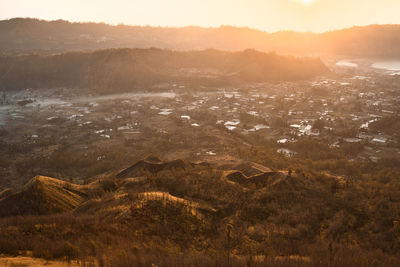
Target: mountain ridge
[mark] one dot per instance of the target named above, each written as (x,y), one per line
(26,34)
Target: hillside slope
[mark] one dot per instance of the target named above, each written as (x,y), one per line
(42,195)
(123,69)
(190,214)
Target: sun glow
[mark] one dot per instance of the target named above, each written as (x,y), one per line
(306,2)
(265,15)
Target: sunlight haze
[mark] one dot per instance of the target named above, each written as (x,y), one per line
(266,15)
(175,133)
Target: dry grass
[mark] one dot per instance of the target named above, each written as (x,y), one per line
(25,261)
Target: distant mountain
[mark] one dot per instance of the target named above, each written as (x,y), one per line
(122,69)
(27,35)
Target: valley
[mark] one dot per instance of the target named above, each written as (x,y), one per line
(340,116)
(226,146)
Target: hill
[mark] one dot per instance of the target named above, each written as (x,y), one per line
(42,195)
(123,69)
(26,35)
(45,195)
(191,214)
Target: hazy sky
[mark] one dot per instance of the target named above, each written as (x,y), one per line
(267,15)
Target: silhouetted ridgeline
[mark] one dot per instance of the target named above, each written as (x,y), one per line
(21,35)
(121,69)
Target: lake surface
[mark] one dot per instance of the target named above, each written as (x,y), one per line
(391,65)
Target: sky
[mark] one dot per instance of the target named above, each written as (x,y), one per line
(265,15)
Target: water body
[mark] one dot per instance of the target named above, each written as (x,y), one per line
(389,65)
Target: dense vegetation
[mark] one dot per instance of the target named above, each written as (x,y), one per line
(316,218)
(123,69)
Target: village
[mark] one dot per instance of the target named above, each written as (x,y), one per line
(354,114)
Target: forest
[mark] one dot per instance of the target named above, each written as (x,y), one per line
(117,70)
(173,216)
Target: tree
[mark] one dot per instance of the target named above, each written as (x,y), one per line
(319,125)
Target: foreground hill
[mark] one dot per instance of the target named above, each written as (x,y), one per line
(122,69)
(22,35)
(45,195)
(42,195)
(178,213)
